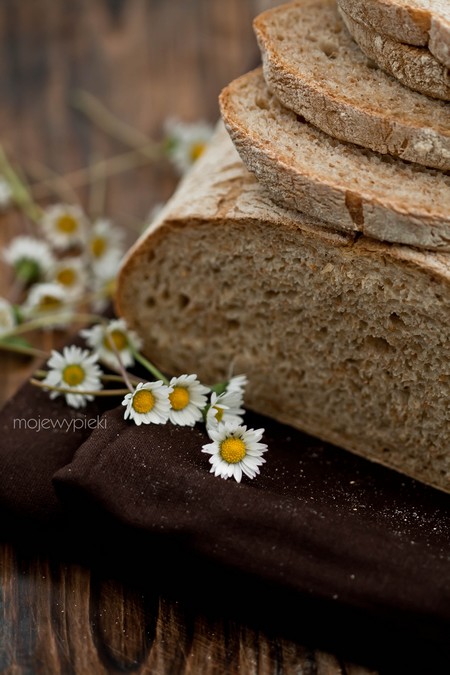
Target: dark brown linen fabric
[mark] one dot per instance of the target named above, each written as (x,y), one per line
(37,437)
(357,553)
(317,523)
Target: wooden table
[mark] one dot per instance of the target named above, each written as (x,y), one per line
(145,60)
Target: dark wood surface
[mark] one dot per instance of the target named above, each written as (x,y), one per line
(145,60)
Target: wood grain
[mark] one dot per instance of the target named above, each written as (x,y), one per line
(145,60)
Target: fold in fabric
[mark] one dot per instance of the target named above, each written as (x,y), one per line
(318,522)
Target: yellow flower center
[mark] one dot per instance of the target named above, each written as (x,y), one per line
(73,375)
(119,340)
(197,150)
(66,277)
(179,398)
(98,246)
(143,401)
(233,450)
(219,413)
(67,224)
(48,303)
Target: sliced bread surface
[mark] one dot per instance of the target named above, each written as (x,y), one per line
(415,67)
(414,22)
(343,337)
(315,68)
(346,186)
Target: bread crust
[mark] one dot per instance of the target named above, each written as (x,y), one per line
(219,196)
(415,67)
(406,22)
(311,189)
(333,109)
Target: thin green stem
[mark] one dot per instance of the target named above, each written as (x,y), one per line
(104,377)
(150,367)
(21,349)
(20,194)
(50,319)
(119,362)
(62,390)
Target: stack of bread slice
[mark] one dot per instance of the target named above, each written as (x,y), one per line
(324,272)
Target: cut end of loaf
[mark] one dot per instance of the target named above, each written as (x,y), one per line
(344,339)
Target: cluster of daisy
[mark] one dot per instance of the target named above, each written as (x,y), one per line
(71,262)
(70,265)
(234,450)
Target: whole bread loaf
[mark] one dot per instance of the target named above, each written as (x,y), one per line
(341,336)
(414,22)
(353,189)
(415,67)
(315,68)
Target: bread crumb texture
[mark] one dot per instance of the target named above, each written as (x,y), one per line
(306,169)
(315,68)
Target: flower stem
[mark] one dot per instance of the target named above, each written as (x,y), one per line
(44,321)
(120,362)
(150,367)
(22,349)
(104,377)
(101,392)
(20,194)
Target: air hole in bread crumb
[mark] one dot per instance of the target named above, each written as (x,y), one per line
(396,320)
(378,344)
(301,119)
(183,301)
(261,103)
(329,49)
(371,64)
(150,301)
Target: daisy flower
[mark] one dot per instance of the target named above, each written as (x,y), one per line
(187,400)
(64,225)
(103,283)
(237,384)
(226,407)
(187,142)
(31,258)
(105,241)
(235,450)
(149,403)
(5,194)
(71,274)
(125,341)
(75,369)
(7,317)
(45,300)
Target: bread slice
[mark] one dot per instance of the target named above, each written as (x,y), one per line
(414,22)
(315,68)
(352,189)
(415,67)
(341,336)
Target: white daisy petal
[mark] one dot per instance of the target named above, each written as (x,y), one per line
(234,452)
(187,400)
(31,258)
(48,299)
(187,142)
(125,341)
(74,370)
(148,404)
(64,225)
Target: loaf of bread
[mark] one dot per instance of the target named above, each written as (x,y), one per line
(414,22)
(341,336)
(353,189)
(415,67)
(315,68)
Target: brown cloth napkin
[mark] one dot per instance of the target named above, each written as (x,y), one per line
(357,552)
(318,522)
